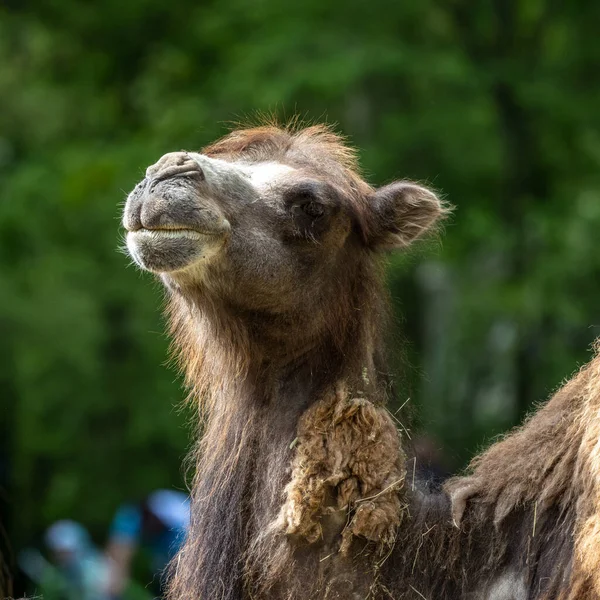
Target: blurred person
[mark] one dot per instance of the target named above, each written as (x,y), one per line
(158,524)
(76,571)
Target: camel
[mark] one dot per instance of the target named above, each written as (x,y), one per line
(270,247)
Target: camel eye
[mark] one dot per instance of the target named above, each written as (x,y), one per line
(309,206)
(306,205)
(313,209)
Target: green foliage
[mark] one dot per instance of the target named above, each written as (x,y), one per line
(495,104)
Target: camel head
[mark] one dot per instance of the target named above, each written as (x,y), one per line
(270,221)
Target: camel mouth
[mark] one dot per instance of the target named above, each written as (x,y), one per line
(172,249)
(174,232)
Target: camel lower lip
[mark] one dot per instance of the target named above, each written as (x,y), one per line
(167,250)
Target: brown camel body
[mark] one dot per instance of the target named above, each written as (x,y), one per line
(269,245)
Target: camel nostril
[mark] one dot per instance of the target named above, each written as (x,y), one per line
(197,172)
(190,168)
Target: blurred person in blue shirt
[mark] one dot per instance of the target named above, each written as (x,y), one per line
(158,524)
(77,570)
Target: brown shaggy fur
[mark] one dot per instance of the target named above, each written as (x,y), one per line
(299,491)
(524,522)
(549,470)
(340,440)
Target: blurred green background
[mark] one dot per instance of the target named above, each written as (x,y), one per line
(495,103)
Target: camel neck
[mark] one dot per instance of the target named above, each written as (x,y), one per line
(252,408)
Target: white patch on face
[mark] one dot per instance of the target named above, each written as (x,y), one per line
(265,174)
(240,175)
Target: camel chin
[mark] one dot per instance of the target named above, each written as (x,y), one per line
(172,250)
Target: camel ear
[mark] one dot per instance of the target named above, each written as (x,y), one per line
(402,212)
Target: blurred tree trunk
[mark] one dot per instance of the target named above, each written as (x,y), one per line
(502,54)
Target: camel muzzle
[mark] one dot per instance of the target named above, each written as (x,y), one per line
(171,220)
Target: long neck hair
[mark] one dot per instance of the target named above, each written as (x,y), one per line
(252,389)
